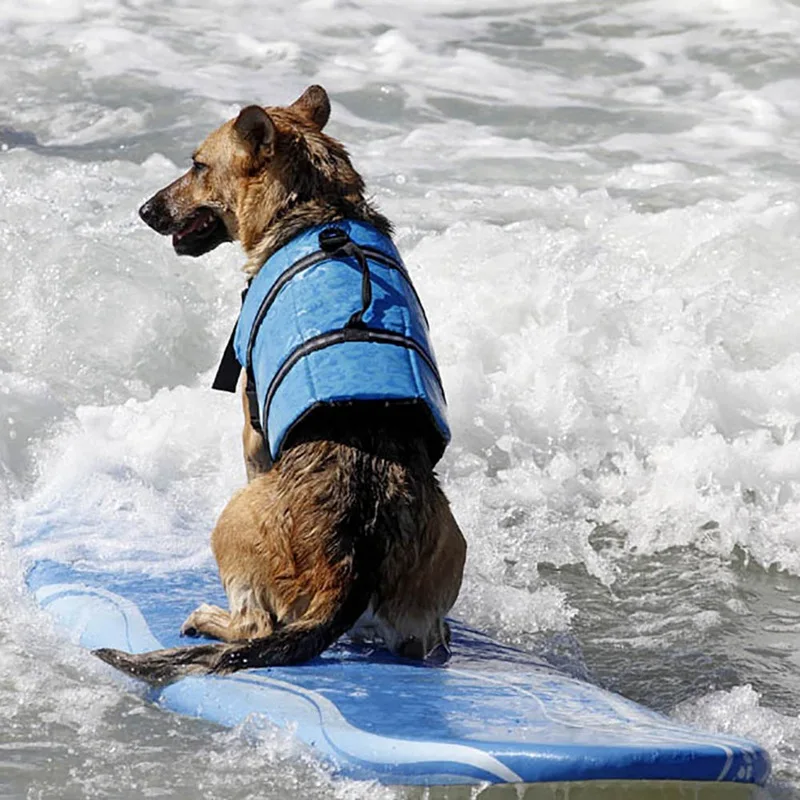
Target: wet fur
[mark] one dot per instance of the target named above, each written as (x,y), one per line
(350,528)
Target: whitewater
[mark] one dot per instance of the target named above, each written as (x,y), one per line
(599,204)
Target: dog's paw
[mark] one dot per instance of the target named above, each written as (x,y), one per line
(191,625)
(205,615)
(439,656)
(412,648)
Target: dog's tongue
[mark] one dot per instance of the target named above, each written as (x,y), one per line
(195,224)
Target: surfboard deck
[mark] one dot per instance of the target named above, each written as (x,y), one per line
(492,714)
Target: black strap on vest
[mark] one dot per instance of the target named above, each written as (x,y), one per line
(333,242)
(349,333)
(229,367)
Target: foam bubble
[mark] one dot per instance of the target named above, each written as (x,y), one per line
(136,486)
(739,712)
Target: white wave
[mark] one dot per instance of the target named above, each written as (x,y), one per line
(740,710)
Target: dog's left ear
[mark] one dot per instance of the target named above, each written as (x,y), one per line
(314,105)
(256,132)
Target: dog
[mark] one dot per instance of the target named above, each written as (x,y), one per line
(345,527)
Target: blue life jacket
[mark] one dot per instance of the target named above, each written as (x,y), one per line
(332,318)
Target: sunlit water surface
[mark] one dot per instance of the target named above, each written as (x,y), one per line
(600,205)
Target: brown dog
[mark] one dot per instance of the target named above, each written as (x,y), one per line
(349,528)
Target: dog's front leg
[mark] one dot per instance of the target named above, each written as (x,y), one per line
(256,457)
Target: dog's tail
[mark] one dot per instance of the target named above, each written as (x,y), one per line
(297,642)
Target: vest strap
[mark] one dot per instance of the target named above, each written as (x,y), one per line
(346,334)
(229,367)
(335,241)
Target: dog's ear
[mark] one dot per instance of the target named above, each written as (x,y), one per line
(314,105)
(256,132)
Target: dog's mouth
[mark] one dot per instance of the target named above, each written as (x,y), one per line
(203,231)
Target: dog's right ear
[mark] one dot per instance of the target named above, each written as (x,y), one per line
(256,132)
(314,105)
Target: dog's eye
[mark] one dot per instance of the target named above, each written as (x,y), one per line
(199,166)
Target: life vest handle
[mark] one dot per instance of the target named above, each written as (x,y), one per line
(335,241)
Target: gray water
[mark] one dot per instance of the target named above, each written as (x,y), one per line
(600,206)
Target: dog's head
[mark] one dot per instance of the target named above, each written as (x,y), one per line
(252,171)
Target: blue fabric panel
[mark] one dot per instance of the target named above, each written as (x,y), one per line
(386,372)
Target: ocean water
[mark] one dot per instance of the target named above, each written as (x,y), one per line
(599,202)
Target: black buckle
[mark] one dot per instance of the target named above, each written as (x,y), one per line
(332,239)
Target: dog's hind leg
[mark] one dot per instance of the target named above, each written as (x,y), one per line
(245,548)
(207,620)
(217,623)
(425,586)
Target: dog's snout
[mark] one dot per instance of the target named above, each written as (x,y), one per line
(154,214)
(146,211)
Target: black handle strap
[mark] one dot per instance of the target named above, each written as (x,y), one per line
(334,241)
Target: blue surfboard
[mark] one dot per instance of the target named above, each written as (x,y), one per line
(492,714)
